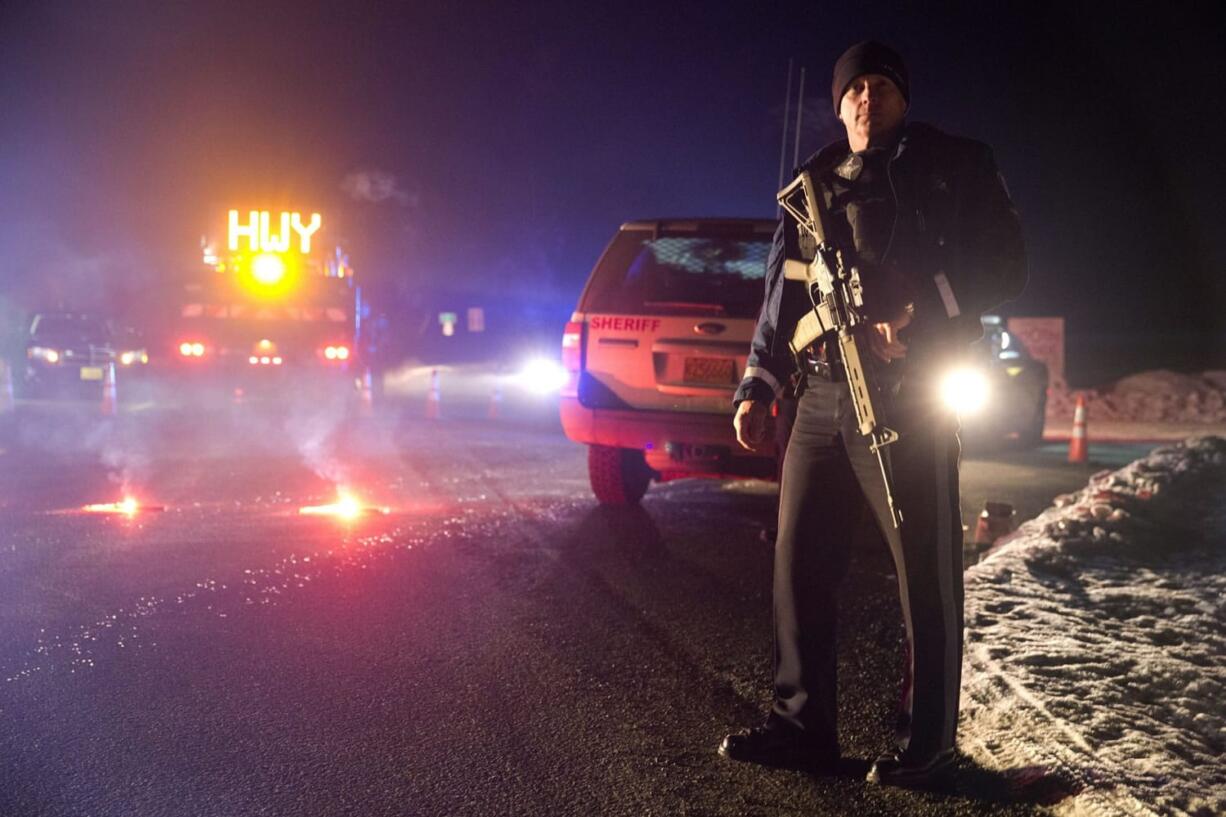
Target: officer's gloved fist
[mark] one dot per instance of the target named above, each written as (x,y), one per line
(752,421)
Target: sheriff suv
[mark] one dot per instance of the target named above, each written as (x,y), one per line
(656,348)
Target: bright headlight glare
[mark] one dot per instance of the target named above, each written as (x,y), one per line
(45,354)
(965,390)
(543,376)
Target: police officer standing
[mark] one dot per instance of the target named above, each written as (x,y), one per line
(926,219)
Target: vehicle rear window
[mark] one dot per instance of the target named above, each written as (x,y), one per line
(646,273)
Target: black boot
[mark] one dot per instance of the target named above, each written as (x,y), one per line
(934,771)
(782,745)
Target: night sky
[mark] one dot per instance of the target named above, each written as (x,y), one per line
(472,144)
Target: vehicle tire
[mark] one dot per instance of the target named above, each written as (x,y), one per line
(619,476)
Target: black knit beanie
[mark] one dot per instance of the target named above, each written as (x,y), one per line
(869,58)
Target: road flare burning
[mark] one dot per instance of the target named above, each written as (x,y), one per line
(127,506)
(346,507)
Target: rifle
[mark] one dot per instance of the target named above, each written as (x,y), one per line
(837,297)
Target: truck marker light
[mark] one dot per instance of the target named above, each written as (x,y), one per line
(253,360)
(276,361)
(330,353)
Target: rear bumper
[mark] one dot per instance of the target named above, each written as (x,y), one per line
(675,443)
(64,380)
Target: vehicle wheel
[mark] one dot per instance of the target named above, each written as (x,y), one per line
(619,476)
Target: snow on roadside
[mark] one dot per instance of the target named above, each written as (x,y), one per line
(1096,652)
(1153,396)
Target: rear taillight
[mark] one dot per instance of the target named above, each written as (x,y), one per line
(572,355)
(336,352)
(572,346)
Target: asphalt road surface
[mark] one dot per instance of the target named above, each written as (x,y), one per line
(482,639)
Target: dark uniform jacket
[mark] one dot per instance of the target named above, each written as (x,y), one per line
(964,257)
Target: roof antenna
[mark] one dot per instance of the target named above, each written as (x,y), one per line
(800,109)
(783,148)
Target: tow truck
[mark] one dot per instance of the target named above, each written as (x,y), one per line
(275,302)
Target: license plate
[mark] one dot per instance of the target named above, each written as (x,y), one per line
(91,373)
(709,370)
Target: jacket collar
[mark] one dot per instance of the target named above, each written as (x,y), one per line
(833,154)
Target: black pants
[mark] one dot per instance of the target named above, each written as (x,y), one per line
(829,474)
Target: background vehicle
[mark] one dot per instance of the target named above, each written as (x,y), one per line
(272,306)
(1001,392)
(656,348)
(67,354)
(131,353)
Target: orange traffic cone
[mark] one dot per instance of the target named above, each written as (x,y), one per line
(1079,444)
(110,399)
(495,401)
(995,521)
(433,398)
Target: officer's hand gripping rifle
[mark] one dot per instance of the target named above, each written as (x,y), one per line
(837,298)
